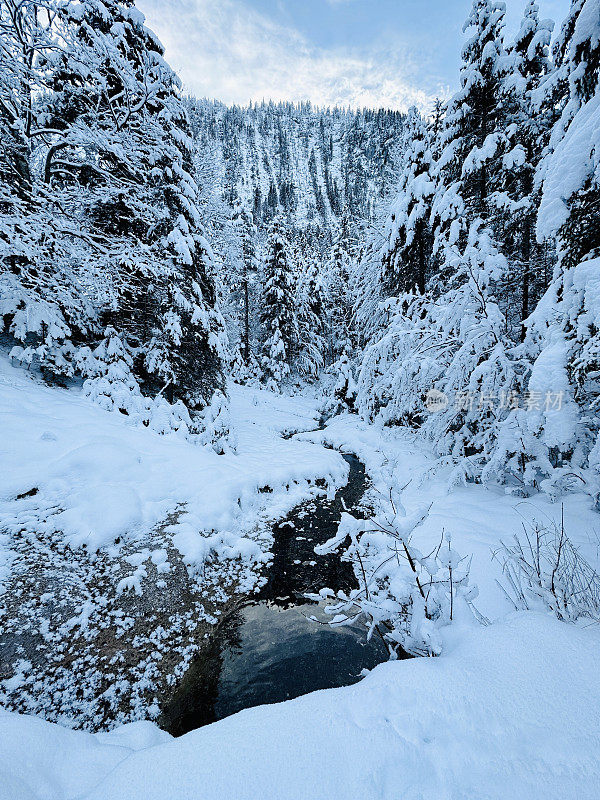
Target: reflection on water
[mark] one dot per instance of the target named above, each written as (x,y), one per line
(270,650)
(282,654)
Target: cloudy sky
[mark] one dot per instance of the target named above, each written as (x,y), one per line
(391,53)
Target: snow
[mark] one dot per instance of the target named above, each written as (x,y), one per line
(58,763)
(576,157)
(99,479)
(107,525)
(477,517)
(130,525)
(493,718)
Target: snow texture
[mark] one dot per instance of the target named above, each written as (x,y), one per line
(492,718)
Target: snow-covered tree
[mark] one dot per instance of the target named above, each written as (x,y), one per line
(443,362)
(408,253)
(248,277)
(339,269)
(97,172)
(279,324)
(570,192)
(311,304)
(343,389)
(562,339)
(513,205)
(472,126)
(217,427)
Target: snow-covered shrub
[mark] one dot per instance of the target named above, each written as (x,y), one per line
(218,432)
(404,596)
(111,383)
(242,372)
(342,388)
(545,570)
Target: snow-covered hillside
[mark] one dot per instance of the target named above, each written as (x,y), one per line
(304,162)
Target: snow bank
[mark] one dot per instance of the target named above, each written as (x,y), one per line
(510,711)
(96,478)
(39,759)
(477,517)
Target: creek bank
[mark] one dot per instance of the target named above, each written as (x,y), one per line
(276,645)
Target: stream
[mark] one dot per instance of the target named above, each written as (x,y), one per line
(268,650)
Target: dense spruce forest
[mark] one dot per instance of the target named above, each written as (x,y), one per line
(154,245)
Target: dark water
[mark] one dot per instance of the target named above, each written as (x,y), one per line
(269,650)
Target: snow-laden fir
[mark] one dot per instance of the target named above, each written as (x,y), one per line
(201,307)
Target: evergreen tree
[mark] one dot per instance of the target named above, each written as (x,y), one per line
(338,285)
(467,165)
(344,389)
(570,197)
(239,279)
(311,308)
(513,206)
(408,259)
(279,325)
(115,232)
(562,339)
(250,262)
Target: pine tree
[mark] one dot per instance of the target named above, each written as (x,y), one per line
(218,432)
(513,206)
(338,285)
(114,235)
(311,308)
(408,259)
(239,279)
(562,339)
(344,389)
(571,192)
(472,126)
(548,444)
(42,258)
(250,262)
(278,319)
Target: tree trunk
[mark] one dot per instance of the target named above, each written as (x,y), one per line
(526,254)
(246,322)
(421,275)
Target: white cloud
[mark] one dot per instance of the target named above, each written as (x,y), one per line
(226,50)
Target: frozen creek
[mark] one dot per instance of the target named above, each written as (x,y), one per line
(269,649)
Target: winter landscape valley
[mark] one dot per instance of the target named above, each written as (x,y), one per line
(299,400)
